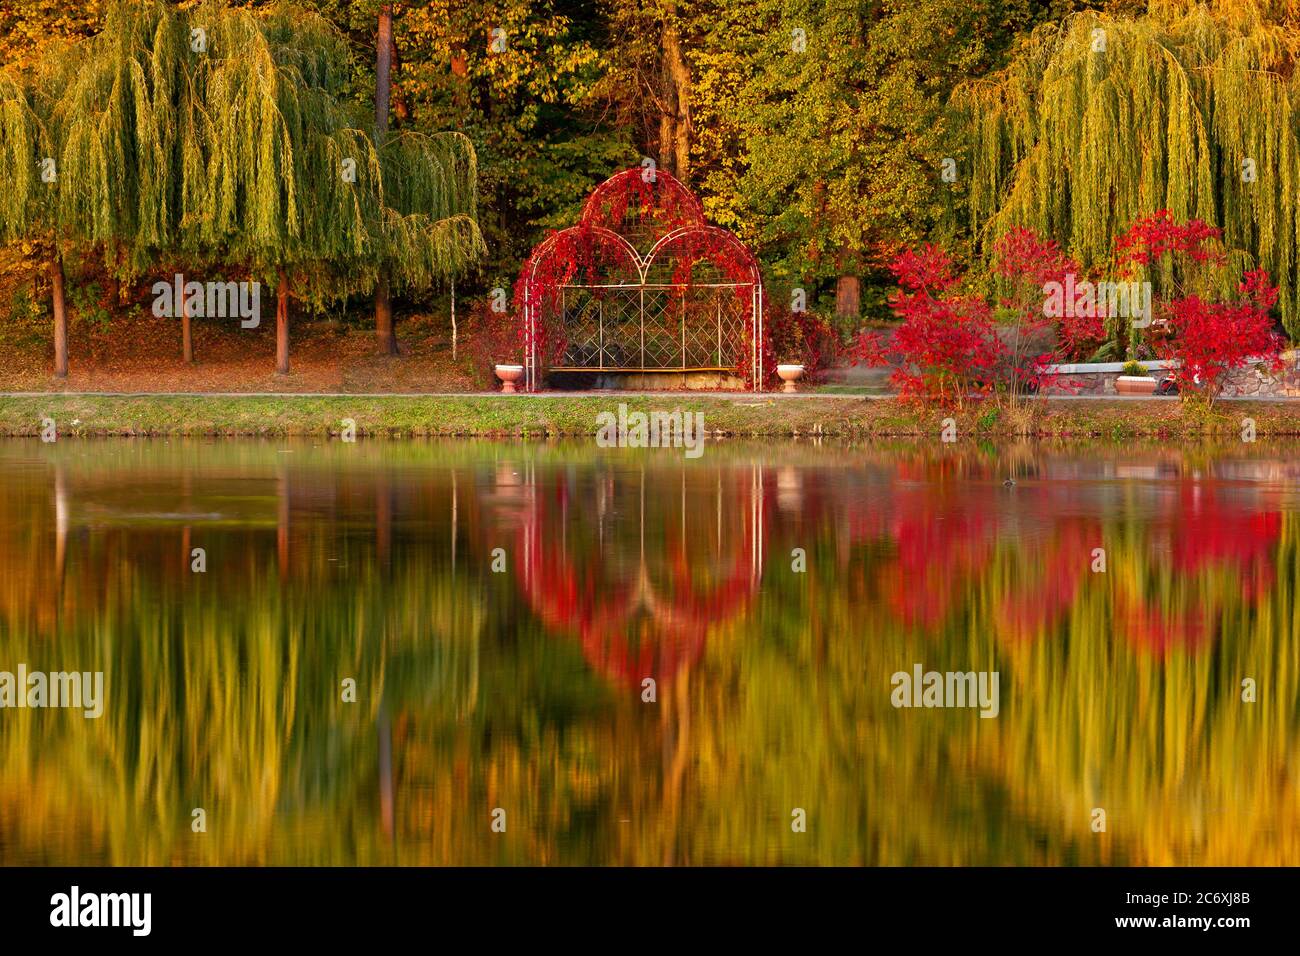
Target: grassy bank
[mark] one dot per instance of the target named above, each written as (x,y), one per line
(549,415)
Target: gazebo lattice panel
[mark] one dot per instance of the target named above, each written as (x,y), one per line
(642,284)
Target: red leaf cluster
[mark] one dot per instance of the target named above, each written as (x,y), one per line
(1151,238)
(1027,264)
(948,348)
(805,338)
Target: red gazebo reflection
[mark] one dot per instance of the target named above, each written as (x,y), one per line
(640,564)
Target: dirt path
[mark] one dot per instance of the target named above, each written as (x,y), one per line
(142,355)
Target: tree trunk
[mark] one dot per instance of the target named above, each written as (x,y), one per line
(848,297)
(460,74)
(460,86)
(675,118)
(667,134)
(282,325)
(453,320)
(60,318)
(384,336)
(383,68)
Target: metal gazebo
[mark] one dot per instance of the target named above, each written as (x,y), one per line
(642,284)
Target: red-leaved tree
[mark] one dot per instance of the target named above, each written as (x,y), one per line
(946,345)
(1210,340)
(1150,239)
(1180,259)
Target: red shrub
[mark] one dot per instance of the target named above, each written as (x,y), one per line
(946,341)
(1028,264)
(1148,240)
(1211,340)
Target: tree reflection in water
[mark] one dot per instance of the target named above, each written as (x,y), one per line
(524,689)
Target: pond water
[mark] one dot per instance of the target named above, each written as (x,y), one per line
(395,650)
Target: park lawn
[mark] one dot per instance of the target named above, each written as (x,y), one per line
(569,414)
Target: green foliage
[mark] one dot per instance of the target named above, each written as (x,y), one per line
(115,132)
(25,308)
(824,158)
(27,320)
(827,155)
(87,300)
(529,110)
(24,143)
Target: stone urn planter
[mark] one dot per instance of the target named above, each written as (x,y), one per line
(789,374)
(509,374)
(1135,385)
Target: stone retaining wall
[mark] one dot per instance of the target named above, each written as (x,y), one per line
(1099,379)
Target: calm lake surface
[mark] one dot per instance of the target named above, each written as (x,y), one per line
(393,640)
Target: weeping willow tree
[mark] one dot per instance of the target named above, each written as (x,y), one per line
(1102,119)
(430,207)
(29,201)
(129,141)
(222,139)
(92,143)
(299,191)
(286,172)
(430,219)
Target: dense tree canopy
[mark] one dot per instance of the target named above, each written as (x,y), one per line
(827,135)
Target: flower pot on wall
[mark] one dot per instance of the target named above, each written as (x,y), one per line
(1135,385)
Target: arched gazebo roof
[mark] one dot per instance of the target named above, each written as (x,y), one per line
(637,203)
